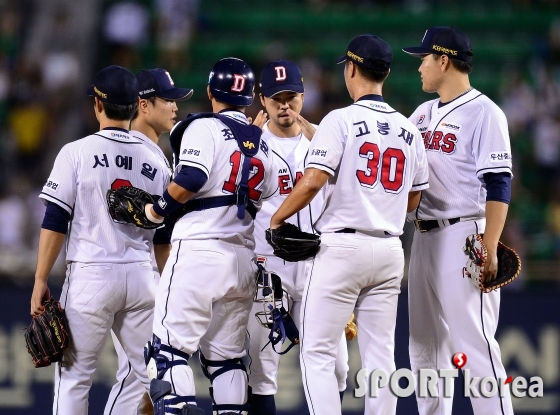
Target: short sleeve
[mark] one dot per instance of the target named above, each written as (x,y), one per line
(491,145)
(198,147)
(61,186)
(327,146)
(420,181)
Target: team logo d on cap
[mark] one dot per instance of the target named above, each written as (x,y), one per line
(232,82)
(370,52)
(158,83)
(444,40)
(115,85)
(280,76)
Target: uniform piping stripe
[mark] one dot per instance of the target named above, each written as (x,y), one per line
(319,164)
(195,164)
(488,343)
(372,109)
(118,141)
(466,102)
(166,304)
(302,338)
(59,366)
(58,200)
(494,168)
(121,388)
(419,184)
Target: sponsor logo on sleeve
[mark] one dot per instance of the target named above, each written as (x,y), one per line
(497,157)
(319,152)
(52,185)
(449,126)
(421,119)
(191,152)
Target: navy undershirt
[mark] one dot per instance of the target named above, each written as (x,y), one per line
(191,178)
(498,187)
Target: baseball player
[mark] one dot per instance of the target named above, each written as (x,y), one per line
(468,150)
(109,282)
(287,135)
(157,109)
(223,172)
(374,165)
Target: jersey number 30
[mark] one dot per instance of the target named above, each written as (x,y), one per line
(257,168)
(392,167)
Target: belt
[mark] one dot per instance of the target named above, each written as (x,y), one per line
(346,230)
(428,225)
(379,234)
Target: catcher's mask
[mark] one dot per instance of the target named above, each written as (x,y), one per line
(275,315)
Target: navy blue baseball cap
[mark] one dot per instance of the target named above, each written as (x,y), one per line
(444,40)
(370,52)
(115,85)
(280,76)
(158,83)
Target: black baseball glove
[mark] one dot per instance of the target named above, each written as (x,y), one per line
(291,244)
(509,264)
(48,336)
(127,205)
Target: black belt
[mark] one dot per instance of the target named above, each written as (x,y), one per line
(346,230)
(428,225)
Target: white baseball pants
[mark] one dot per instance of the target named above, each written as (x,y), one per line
(351,273)
(98,298)
(448,314)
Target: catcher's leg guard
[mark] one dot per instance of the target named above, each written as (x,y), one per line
(230,378)
(167,403)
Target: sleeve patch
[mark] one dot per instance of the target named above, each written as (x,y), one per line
(497,157)
(51,184)
(192,152)
(319,152)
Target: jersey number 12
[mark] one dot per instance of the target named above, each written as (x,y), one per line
(253,182)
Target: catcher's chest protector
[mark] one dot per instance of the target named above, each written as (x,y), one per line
(248,139)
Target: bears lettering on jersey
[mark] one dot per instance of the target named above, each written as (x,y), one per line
(438,141)
(285,182)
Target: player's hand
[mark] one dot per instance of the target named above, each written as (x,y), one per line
(275,224)
(40,292)
(491,267)
(260,119)
(307,128)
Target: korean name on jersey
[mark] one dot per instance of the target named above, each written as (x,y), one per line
(375,157)
(83,172)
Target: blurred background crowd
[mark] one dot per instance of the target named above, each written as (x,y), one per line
(50,51)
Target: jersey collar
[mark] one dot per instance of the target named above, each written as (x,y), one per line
(116,129)
(371,97)
(235,115)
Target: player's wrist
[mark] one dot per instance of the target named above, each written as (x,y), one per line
(151,217)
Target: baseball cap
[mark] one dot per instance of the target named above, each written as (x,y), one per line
(370,52)
(158,83)
(115,85)
(279,76)
(444,40)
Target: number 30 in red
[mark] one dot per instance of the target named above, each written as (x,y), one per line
(392,166)
(257,168)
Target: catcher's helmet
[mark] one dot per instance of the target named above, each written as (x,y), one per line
(232,81)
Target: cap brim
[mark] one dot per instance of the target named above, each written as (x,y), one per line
(90,91)
(176,94)
(417,51)
(282,88)
(341,59)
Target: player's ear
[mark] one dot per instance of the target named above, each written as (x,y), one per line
(98,105)
(210,96)
(445,63)
(143,105)
(261,96)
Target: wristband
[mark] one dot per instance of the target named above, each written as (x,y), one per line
(166,205)
(149,215)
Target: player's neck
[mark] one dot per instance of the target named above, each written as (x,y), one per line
(146,129)
(365,88)
(105,122)
(454,88)
(292,131)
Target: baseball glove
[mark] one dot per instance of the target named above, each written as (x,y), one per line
(291,244)
(509,264)
(127,205)
(47,336)
(351,329)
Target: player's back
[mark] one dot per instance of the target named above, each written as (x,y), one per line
(381,160)
(209,145)
(82,174)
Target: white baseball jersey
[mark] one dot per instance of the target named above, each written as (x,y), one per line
(82,174)
(206,144)
(371,151)
(289,155)
(464,139)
